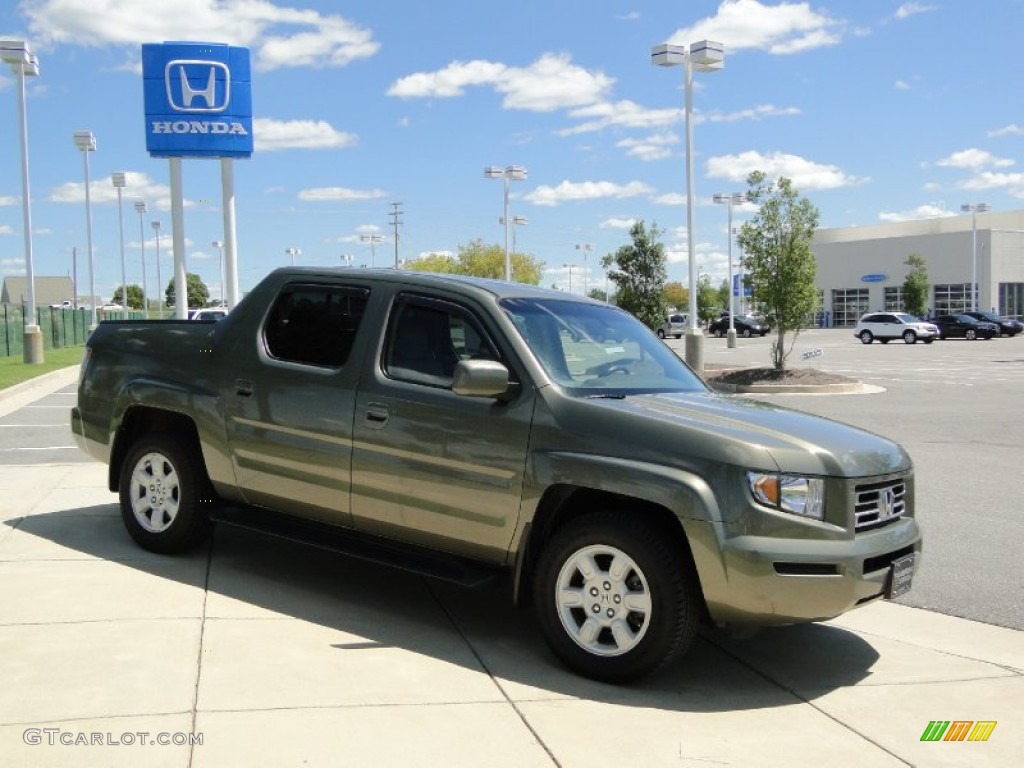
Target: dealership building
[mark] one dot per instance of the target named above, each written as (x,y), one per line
(861,269)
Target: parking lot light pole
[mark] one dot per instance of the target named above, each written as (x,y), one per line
(513,173)
(586,248)
(735,198)
(372,240)
(23,63)
(140,208)
(974,209)
(704,56)
(86,142)
(159,290)
(118,180)
(293,252)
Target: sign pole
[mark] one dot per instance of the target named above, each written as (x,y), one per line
(178,240)
(227,184)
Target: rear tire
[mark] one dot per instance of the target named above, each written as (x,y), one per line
(164,494)
(661,334)
(616,598)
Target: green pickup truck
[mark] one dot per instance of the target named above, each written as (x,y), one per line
(468,429)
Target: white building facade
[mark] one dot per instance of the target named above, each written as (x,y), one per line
(861,269)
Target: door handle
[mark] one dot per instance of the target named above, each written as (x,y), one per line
(377,415)
(244,387)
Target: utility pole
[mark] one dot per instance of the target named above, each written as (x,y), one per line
(394,225)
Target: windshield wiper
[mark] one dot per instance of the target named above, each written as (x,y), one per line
(608,396)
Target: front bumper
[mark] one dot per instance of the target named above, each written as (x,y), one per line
(766,581)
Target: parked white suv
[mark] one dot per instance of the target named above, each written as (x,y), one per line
(886,326)
(674,325)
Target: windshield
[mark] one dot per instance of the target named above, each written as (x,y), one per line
(596,349)
(906,318)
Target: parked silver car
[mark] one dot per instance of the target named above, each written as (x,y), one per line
(674,325)
(886,326)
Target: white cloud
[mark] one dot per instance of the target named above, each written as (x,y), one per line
(670,198)
(974,159)
(551,82)
(654,147)
(927,211)
(991,180)
(279,36)
(617,223)
(754,113)
(628,114)
(779,29)
(317,194)
(907,10)
(9,200)
(270,135)
(901,85)
(1007,130)
(586,190)
(138,186)
(805,174)
(5,229)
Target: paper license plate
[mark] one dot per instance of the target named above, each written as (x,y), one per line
(901,576)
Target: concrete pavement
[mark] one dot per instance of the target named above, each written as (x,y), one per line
(273,654)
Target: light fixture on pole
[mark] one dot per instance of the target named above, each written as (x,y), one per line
(86,142)
(704,56)
(118,180)
(293,252)
(346,259)
(372,240)
(586,248)
(160,295)
(219,245)
(517,221)
(23,64)
(974,209)
(140,208)
(514,173)
(736,198)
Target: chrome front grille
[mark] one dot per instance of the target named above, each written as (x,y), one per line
(877,504)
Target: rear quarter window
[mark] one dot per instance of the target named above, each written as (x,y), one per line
(314,324)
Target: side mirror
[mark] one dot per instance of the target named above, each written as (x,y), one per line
(480,378)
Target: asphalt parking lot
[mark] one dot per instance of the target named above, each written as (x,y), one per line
(271,654)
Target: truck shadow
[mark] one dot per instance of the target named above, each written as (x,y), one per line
(358,609)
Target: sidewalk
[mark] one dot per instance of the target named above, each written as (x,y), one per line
(275,654)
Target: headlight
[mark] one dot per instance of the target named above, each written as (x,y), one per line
(804,496)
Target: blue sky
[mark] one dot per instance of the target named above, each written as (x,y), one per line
(879,111)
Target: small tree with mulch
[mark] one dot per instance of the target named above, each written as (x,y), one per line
(777,258)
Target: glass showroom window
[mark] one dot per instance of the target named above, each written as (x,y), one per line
(1011,299)
(952,298)
(894,298)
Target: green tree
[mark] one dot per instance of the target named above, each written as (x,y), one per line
(777,259)
(676,295)
(639,275)
(196,290)
(599,294)
(916,286)
(481,260)
(134,296)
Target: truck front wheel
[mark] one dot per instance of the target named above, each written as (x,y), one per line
(163,489)
(616,598)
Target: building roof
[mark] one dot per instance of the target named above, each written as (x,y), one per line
(49,290)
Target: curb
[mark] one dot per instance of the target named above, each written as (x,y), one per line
(44,380)
(846,388)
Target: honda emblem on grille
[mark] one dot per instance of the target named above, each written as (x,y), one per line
(886,504)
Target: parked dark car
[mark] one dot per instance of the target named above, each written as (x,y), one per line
(964,327)
(745,325)
(1007,325)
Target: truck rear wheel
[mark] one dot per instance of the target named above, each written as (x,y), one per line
(163,489)
(616,598)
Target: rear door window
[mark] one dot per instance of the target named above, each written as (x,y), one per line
(314,324)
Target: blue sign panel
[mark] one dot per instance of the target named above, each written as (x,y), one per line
(747,290)
(198,100)
(874,278)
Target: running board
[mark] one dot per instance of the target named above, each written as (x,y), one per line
(345,541)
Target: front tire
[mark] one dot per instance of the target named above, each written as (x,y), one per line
(616,597)
(866,337)
(909,337)
(970,334)
(163,490)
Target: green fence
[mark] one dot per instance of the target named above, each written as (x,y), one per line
(60,327)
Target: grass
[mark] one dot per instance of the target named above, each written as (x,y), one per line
(14,371)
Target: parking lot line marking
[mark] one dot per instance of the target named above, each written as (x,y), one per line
(31,426)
